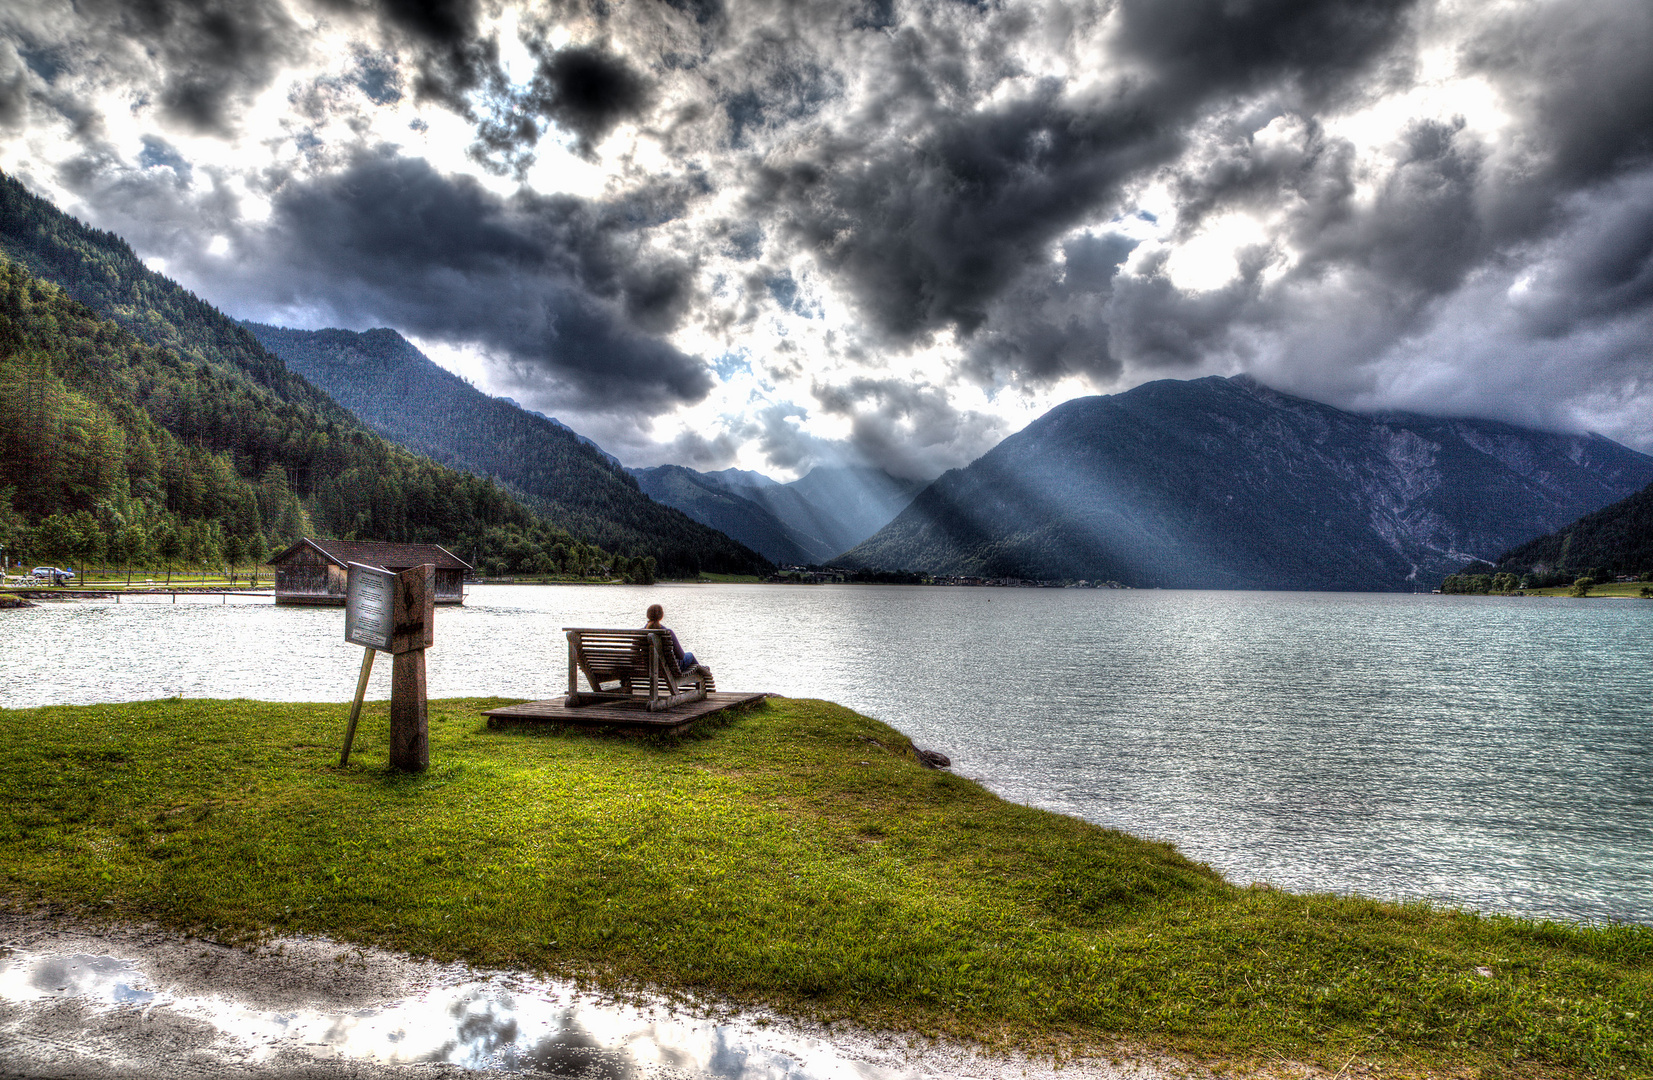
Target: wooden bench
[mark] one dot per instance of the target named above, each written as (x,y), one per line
(630,666)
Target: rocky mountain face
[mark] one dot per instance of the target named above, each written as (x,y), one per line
(710,503)
(1224,483)
(810,520)
(853,502)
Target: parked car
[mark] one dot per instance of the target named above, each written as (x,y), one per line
(52,572)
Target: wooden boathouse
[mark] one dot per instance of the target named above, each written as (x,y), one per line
(315,571)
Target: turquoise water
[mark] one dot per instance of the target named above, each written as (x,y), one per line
(1489,752)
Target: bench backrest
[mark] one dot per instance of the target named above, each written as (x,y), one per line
(606,654)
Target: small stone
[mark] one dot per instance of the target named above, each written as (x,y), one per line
(932,759)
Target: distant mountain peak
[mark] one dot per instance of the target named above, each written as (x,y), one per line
(811,520)
(1226,483)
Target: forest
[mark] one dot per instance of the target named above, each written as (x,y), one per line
(117,452)
(143,426)
(1615,540)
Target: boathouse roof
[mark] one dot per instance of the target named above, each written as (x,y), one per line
(376,553)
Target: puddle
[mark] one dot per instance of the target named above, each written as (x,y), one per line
(97,978)
(505,1023)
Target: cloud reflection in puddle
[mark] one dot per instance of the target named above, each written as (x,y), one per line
(98,978)
(499,1023)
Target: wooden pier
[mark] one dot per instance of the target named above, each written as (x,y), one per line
(620,714)
(70,592)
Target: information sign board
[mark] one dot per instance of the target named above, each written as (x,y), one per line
(370,606)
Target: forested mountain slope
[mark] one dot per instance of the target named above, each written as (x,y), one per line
(227,395)
(1616,539)
(114,449)
(1224,483)
(403,395)
(101,270)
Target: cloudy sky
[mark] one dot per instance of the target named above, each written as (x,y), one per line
(720,232)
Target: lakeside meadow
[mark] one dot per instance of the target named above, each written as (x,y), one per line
(1472,751)
(795,856)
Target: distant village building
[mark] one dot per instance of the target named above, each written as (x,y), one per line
(315,571)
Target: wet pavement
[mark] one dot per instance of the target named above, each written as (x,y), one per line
(83,1001)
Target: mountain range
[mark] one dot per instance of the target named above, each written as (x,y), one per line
(1225,483)
(810,520)
(406,397)
(142,410)
(144,416)
(403,395)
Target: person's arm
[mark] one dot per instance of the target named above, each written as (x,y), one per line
(677,649)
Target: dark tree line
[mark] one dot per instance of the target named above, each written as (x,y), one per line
(1616,540)
(119,452)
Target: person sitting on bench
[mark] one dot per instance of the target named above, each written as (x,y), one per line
(686,663)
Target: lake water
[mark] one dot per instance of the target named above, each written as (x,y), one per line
(1489,752)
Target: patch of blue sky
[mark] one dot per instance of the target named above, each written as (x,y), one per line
(730,364)
(45,62)
(377,77)
(789,295)
(157,153)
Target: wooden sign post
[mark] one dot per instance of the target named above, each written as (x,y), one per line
(413,633)
(394,613)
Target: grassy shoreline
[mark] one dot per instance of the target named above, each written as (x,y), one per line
(797,857)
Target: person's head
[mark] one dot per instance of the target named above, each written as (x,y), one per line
(655,612)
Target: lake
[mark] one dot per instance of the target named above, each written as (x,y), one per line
(1490,752)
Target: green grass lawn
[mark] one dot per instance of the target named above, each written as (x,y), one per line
(796,856)
(1610,588)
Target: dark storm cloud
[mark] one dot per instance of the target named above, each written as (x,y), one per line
(14,89)
(452,59)
(1415,235)
(213,54)
(1605,273)
(904,428)
(1581,81)
(1054,323)
(1158,326)
(585,91)
(928,231)
(1562,193)
(834,185)
(561,286)
(1197,48)
(560,289)
(928,240)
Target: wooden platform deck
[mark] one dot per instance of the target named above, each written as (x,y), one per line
(617,714)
